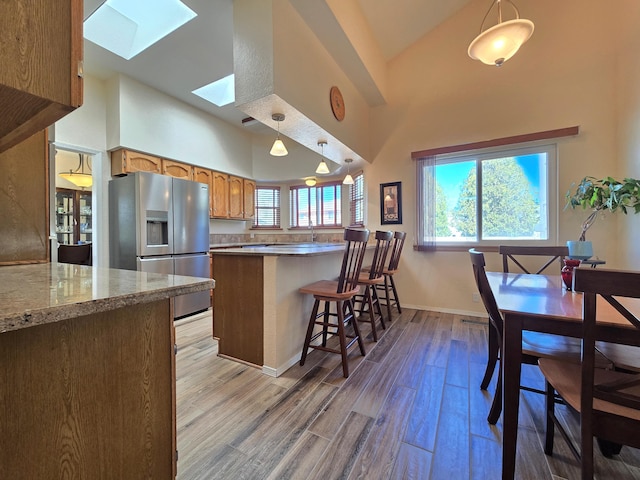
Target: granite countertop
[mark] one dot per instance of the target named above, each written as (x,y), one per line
(46,293)
(284,249)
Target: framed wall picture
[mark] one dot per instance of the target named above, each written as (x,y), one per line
(391,203)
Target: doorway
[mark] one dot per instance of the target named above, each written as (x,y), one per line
(73,199)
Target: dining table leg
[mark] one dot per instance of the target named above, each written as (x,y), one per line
(511,367)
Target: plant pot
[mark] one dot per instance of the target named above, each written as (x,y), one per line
(580,250)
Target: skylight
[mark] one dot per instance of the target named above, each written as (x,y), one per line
(127,27)
(221,92)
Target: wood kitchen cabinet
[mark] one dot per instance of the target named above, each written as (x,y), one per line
(220,195)
(24,215)
(177,169)
(205,176)
(236,197)
(232,197)
(239,307)
(125,161)
(41,58)
(249,198)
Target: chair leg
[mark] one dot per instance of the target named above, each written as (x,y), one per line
(549,406)
(356,329)
(496,405)
(386,296)
(376,302)
(395,293)
(372,317)
(343,339)
(607,448)
(307,339)
(586,447)
(493,352)
(325,327)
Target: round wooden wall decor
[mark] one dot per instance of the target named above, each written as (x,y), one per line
(337,103)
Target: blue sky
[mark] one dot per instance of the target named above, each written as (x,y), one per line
(451,176)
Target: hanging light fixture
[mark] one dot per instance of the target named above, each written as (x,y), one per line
(78,176)
(322,166)
(311,182)
(348,180)
(499,43)
(278,149)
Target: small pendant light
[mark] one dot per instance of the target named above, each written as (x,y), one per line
(348,180)
(322,166)
(278,149)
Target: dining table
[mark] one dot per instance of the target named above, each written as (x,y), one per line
(533,302)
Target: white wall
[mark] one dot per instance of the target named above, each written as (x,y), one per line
(569,73)
(153,122)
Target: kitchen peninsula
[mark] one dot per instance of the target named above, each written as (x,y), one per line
(259,316)
(87,377)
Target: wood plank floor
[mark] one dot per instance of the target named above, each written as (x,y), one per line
(411,409)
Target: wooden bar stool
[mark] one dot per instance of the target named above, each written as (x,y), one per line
(387,292)
(340,292)
(372,279)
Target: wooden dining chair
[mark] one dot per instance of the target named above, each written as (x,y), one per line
(535,345)
(608,401)
(387,292)
(374,277)
(339,292)
(514,254)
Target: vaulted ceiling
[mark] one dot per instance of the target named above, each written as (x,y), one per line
(201,51)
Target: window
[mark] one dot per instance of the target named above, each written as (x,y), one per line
(356,200)
(319,204)
(267,207)
(492,197)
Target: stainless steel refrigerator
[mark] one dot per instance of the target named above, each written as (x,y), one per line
(160,224)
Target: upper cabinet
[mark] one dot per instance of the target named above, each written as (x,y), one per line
(236,209)
(41,58)
(249,189)
(205,176)
(220,195)
(127,161)
(177,169)
(229,196)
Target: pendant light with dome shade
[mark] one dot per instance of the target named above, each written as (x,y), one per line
(322,169)
(348,180)
(310,182)
(497,44)
(278,149)
(78,176)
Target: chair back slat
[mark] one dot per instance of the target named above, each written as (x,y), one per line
(396,250)
(354,251)
(605,285)
(383,241)
(484,289)
(509,252)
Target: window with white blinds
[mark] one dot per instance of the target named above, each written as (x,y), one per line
(319,205)
(356,200)
(267,213)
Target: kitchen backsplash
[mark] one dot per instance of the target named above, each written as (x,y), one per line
(223,238)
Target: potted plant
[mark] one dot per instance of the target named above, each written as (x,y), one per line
(599,196)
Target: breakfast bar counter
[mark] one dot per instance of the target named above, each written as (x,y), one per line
(259,316)
(87,371)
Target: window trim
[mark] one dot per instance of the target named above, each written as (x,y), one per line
(355,198)
(484,154)
(277,208)
(319,214)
